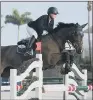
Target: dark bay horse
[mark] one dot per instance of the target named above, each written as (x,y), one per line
(52,47)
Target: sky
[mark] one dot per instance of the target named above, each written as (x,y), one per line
(69,12)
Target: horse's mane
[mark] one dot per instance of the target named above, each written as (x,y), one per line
(64,25)
(59,26)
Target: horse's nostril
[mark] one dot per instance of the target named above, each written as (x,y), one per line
(81,51)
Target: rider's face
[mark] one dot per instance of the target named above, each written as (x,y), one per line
(53,16)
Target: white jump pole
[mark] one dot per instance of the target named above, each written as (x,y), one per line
(39,72)
(13,89)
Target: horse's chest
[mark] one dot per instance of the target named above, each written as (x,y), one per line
(50,46)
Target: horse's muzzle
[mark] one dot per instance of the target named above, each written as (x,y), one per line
(78,48)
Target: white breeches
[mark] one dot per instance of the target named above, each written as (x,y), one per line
(32,32)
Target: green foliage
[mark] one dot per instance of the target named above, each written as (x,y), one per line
(18,19)
(11,19)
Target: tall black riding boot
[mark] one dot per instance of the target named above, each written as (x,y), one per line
(29,46)
(22,42)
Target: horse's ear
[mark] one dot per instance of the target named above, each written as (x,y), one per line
(76,24)
(84,25)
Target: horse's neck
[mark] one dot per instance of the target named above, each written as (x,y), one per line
(61,35)
(60,40)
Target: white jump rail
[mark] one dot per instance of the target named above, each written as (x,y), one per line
(75,73)
(79,74)
(37,84)
(67,81)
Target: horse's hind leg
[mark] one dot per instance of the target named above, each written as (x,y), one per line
(1,70)
(6,72)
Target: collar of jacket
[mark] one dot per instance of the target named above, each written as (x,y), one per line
(48,19)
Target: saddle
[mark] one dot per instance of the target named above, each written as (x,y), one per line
(22,47)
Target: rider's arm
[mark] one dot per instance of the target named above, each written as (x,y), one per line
(40,25)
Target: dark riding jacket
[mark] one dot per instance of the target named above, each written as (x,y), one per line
(42,24)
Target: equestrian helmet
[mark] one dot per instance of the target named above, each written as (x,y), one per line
(52,10)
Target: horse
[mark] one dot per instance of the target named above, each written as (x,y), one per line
(52,46)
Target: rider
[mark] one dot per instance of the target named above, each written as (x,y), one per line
(38,27)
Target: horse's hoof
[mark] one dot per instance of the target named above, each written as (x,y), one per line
(64,71)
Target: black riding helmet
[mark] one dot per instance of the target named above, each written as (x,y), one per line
(52,10)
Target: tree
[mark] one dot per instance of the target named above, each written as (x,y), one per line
(18,19)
